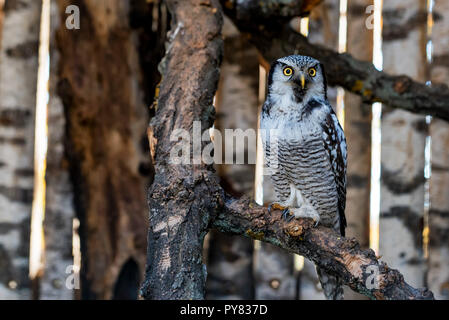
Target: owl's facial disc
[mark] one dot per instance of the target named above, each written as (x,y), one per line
(299,77)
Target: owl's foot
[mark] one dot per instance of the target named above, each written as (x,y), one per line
(287,215)
(307,212)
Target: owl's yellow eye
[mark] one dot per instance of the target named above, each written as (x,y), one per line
(288,71)
(312,72)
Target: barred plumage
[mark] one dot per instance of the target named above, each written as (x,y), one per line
(307,153)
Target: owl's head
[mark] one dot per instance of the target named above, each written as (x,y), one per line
(300,76)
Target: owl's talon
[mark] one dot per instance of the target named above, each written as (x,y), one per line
(287,215)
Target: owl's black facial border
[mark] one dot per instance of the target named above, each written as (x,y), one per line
(299,92)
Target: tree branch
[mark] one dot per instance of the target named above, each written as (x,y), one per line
(337,255)
(190,76)
(274,38)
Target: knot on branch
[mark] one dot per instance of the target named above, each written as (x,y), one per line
(297,228)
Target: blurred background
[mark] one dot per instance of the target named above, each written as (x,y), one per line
(77,84)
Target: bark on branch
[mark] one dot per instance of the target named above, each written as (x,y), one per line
(182,197)
(338,255)
(274,38)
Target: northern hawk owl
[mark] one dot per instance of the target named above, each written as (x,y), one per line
(308,162)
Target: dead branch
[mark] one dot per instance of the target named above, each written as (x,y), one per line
(360,269)
(274,38)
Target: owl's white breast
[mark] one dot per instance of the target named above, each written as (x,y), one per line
(288,122)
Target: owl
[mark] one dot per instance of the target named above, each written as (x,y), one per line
(305,149)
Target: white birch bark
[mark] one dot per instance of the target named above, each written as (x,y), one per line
(18,78)
(403,141)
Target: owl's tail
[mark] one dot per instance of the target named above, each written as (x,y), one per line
(332,285)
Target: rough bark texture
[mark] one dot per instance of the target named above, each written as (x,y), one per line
(59,210)
(358,132)
(438,272)
(191,71)
(99,84)
(18,79)
(327,249)
(274,38)
(402,149)
(230,259)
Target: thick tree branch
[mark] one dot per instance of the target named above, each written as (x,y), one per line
(338,255)
(274,38)
(190,76)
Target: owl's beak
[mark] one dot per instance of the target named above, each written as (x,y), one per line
(303,81)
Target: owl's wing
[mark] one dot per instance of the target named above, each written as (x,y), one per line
(335,145)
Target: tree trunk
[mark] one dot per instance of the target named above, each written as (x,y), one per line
(438,272)
(99,85)
(358,132)
(403,141)
(57,281)
(18,79)
(230,258)
(175,268)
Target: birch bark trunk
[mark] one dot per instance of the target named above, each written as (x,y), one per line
(403,142)
(438,272)
(18,80)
